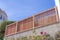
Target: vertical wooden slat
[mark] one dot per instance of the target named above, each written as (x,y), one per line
(33,22)
(16,27)
(6,31)
(34,31)
(57,15)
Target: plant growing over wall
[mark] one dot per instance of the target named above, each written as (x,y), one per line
(5,38)
(38,37)
(57,36)
(20,38)
(30,38)
(45,36)
(12,38)
(25,38)
(17,38)
(48,37)
(2,28)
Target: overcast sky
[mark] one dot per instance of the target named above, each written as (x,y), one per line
(20,9)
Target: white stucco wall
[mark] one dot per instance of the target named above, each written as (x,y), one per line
(3,15)
(51,29)
(57,3)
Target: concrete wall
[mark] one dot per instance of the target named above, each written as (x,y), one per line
(51,29)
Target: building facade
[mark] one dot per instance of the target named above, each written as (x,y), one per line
(3,15)
(46,21)
(57,2)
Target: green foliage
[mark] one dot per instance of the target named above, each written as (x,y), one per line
(1,36)
(30,38)
(2,28)
(57,36)
(3,25)
(37,37)
(12,38)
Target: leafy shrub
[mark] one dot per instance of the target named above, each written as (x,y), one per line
(57,36)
